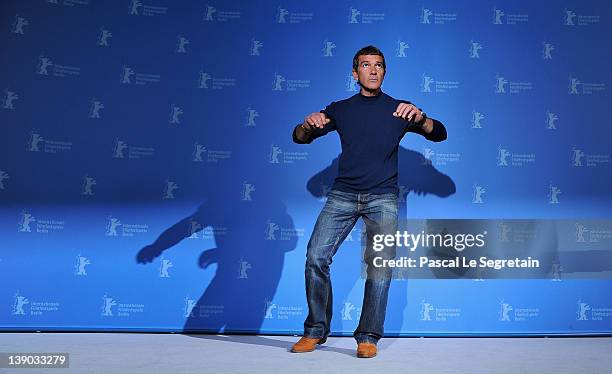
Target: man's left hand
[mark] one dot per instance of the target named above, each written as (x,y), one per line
(408,112)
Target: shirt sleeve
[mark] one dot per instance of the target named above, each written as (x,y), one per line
(437,134)
(330,112)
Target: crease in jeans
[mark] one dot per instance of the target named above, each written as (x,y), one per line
(331,253)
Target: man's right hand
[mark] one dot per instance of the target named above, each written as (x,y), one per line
(318,120)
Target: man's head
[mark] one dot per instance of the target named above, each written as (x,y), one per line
(369,68)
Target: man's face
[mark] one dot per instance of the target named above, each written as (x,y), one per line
(370,72)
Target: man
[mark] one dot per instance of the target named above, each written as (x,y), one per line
(370,124)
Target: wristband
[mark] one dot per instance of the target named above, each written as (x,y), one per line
(422,121)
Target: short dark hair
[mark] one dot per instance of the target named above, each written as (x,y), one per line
(368,50)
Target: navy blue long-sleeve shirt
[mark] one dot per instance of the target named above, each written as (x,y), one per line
(370,137)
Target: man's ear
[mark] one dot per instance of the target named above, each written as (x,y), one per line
(355,75)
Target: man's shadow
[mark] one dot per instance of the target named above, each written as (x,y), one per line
(417,176)
(252,234)
(271,341)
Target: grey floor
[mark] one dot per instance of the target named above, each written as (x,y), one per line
(175,353)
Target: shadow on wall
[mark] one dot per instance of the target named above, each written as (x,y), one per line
(249,256)
(416,175)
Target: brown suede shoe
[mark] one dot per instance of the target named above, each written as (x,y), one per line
(366,350)
(307,344)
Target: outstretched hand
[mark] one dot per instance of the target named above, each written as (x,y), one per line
(318,120)
(408,112)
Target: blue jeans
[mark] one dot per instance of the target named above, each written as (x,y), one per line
(335,222)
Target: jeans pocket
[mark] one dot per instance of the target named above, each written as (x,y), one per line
(336,204)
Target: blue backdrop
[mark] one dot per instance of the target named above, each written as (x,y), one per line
(148,180)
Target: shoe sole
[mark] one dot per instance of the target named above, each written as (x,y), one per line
(366,356)
(294,351)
